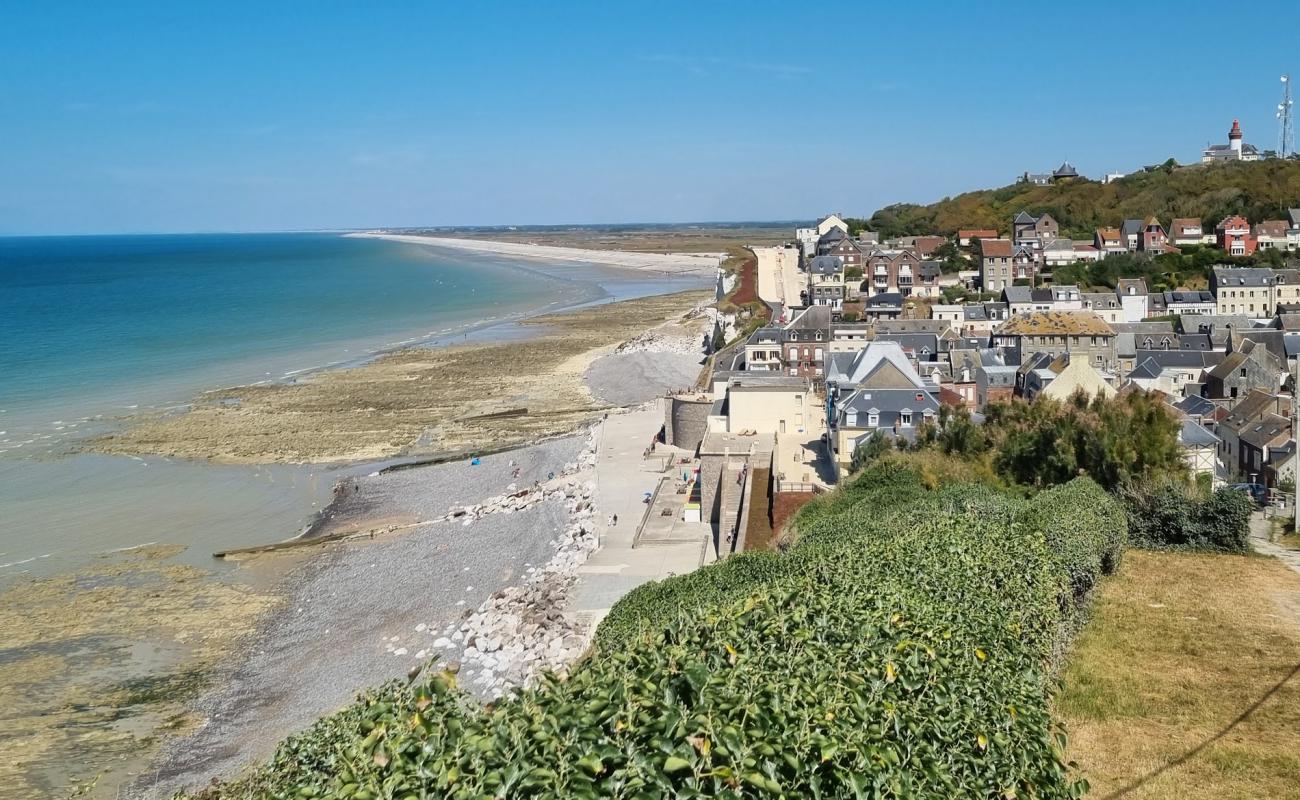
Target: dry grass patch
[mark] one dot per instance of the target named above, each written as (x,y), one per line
(1186,684)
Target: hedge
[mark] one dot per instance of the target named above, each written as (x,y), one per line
(898,650)
(1172,516)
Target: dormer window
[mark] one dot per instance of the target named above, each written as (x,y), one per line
(851,418)
(873,420)
(905,418)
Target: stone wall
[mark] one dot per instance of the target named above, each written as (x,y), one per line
(686,420)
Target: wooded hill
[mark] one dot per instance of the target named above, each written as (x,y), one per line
(1257,190)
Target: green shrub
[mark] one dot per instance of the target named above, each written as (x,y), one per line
(901,648)
(1170,515)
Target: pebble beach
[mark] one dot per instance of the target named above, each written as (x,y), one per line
(461,563)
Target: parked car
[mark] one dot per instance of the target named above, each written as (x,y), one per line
(1257,491)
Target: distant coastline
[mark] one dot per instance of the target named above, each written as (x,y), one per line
(667,263)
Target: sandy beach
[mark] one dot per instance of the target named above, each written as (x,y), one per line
(419,401)
(667,263)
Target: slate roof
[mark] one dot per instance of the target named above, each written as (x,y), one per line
(1122,285)
(1018,294)
(1183,359)
(1196,406)
(1131,227)
(812,318)
(921,344)
(1066,170)
(826,265)
(1147,369)
(888,404)
(1243,276)
(1293,217)
(885,300)
(1194,434)
(1105,300)
(1265,431)
(862,364)
(1187,297)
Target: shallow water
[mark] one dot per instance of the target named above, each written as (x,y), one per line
(101,328)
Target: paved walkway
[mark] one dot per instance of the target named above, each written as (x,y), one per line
(621,484)
(1261,534)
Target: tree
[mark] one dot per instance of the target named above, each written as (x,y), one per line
(869,450)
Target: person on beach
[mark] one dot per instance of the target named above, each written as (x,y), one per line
(616,520)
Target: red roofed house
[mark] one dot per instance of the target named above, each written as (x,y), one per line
(1234,237)
(967,236)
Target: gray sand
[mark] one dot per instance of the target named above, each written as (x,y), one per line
(330,641)
(625,379)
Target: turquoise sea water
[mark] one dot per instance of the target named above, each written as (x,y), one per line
(97,328)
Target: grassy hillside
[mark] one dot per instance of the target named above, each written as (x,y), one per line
(1260,190)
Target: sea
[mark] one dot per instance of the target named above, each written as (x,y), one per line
(97,329)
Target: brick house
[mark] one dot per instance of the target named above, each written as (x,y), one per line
(1234,237)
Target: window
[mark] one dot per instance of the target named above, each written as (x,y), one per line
(873,420)
(906,418)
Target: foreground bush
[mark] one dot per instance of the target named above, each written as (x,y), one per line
(898,650)
(1173,515)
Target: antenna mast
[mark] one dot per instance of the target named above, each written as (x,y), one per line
(1285,130)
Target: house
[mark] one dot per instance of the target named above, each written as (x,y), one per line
(1184,231)
(1086,252)
(847,250)
(1059,253)
(1199,448)
(1034,232)
(1037,178)
(1130,336)
(964,366)
(1019,299)
(831,221)
(1130,233)
(995,257)
(1080,333)
(1109,241)
(1249,368)
(1133,297)
(1106,305)
(849,337)
(1235,150)
(804,342)
(898,413)
(1184,301)
(891,271)
(1243,290)
(826,284)
(772,404)
(1286,288)
(1064,172)
(982,318)
(1060,377)
(1234,237)
(875,388)
(1253,409)
(1172,371)
(951,314)
(994,383)
(1270,234)
(966,236)
(829,240)
(888,305)
(929,279)
(1153,238)
(763,350)
(924,246)
(1293,229)
(1259,442)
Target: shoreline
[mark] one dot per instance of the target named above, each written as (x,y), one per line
(414,401)
(421,532)
(578,341)
(664,263)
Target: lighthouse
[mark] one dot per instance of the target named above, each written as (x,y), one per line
(1234,139)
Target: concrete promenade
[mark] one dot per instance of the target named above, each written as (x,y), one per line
(621,483)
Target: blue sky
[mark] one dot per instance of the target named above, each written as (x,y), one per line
(133,117)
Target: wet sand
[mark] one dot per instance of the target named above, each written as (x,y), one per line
(417,401)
